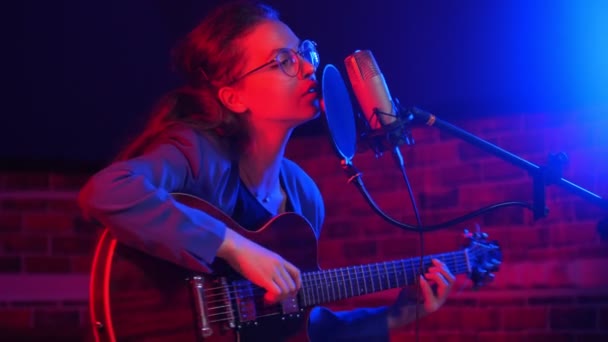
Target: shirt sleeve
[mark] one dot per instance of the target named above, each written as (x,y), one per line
(364,324)
(132,198)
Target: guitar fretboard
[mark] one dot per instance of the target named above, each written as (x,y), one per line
(341,283)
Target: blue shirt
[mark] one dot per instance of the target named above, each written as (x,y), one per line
(133,199)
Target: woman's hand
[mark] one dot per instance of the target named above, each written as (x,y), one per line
(280,278)
(403,311)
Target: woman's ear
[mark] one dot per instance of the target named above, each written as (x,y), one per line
(231,98)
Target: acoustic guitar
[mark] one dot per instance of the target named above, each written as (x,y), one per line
(138,297)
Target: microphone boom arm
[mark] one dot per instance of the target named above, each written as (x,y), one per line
(542,176)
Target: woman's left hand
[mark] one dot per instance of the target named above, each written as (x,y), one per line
(403,311)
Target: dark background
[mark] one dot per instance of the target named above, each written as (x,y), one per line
(87,72)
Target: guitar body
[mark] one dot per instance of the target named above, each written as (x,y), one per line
(137,297)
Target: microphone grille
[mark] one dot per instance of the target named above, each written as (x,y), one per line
(367,64)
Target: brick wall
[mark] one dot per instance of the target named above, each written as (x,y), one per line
(552,284)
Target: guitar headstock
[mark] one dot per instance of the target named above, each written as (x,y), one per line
(484,257)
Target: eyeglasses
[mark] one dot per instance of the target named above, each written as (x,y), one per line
(288,60)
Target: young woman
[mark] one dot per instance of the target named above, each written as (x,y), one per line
(221,137)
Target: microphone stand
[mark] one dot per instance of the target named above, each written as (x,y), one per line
(550,174)
(391,136)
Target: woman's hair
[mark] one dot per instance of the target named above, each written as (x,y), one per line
(207,57)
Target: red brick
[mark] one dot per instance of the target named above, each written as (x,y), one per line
(525,318)
(501,301)
(373,226)
(552,337)
(423,135)
(505,216)
(56,319)
(25,243)
(382,181)
(78,245)
(309,147)
(498,336)
(461,174)
(468,152)
(446,318)
(64,206)
(365,251)
(592,337)
(15,319)
(497,125)
(398,247)
(67,181)
(47,264)
(82,225)
(331,254)
(580,233)
(24,180)
(21,204)
(81,264)
(481,319)
(551,300)
(603,323)
(456,337)
(500,170)
(586,211)
(10,222)
(522,144)
(10,264)
(49,223)
(436,154)
(400,336)
(436,200)
(559,212)
(573,318)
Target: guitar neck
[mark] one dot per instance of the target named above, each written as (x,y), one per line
(340,283)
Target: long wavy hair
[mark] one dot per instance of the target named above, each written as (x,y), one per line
(208,57)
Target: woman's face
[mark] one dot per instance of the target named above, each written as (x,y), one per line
(269,94)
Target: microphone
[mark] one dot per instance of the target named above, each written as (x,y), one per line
(385,128)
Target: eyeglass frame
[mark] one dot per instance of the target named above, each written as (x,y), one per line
(275,60)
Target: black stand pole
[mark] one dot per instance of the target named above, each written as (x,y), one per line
(542,176)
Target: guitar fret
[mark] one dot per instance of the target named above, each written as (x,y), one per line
(371,277)
(388,277)
(344,282)
(364,278)
(326,285)
(395,272)
(320,292)
(350,278)
(380,275)
(332,285)
(405,280)
(338,283)
(305,289)
(359,291)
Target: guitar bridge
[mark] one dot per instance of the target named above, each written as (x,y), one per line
(212,305)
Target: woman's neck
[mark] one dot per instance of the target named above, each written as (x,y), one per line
(260,164)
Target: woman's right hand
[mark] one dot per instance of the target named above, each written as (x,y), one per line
(280,278)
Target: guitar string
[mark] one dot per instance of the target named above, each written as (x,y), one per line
(315,280)
(275,306)
(320,285)
(364,270)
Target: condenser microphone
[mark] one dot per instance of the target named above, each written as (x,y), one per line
(370,89)
(385,129)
